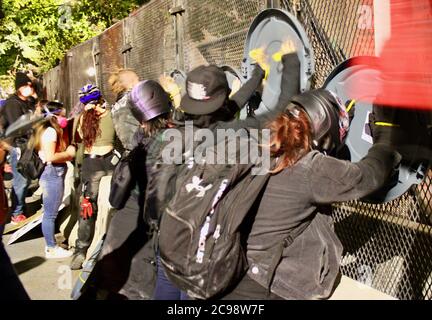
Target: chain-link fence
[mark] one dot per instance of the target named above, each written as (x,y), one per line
(150,36)
(215,33)
(337,30)
(388,247)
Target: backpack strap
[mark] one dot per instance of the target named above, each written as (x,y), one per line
(286,242)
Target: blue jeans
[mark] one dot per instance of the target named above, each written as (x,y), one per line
(52,183)
(19,184)
(165,290)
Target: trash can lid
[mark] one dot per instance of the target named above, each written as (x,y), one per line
(269,30)
(359,139)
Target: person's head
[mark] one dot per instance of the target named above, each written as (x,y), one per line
(91,97)
(123,80)
(94,105)
(151,106)
(52,112)
(207,91)
(290,137)
(23,86)
(313,120)
(328,117)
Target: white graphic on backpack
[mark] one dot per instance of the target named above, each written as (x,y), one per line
(195,185)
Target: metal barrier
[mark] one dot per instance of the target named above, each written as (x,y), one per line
(388,247)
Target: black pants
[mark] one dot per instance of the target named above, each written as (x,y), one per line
(126,265)
(249,289)
(92,171)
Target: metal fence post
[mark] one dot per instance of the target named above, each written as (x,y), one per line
(127,46)
(96,61)
(177,12)
(273,3)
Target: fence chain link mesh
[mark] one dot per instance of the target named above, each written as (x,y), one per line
(215,33)
(389,246)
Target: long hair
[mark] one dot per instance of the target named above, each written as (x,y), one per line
(90,128)
(291,138)
(153,126)
(36,138)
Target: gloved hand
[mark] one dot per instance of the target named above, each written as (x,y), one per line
(288,47)
(350,109)
(86,209)
(259,71)
(382,122)
(260,57)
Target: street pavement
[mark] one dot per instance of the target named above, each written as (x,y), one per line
(43,279)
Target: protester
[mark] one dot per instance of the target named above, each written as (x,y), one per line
(208,104)
(97,133)
(18,104)
(48,140)
(125,123)
(292,249)
(125,268)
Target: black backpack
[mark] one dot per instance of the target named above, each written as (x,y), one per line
(199,230)
(124,177)
(30,165)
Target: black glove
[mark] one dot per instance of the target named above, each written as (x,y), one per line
(382,122)
(350,108)
(258,71)
(290,84)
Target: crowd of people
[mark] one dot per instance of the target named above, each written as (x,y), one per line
(290,248)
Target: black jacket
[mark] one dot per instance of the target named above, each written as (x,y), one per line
(12,110)
(308,268)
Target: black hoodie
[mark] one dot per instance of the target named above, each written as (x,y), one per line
(13,109)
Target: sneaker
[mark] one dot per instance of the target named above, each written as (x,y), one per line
(17,219)
(57,253)
(77,261)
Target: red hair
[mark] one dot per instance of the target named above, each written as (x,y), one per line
(291,138)
(90,128)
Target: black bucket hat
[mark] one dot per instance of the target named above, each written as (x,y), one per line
(206,90)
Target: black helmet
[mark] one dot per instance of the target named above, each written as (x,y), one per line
(328,117)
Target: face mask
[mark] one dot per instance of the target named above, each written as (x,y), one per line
(62,121)
(26,91)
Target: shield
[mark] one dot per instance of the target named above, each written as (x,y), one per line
(23,125)
(353,72)
(270,29)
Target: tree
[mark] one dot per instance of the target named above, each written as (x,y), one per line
(36,34)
